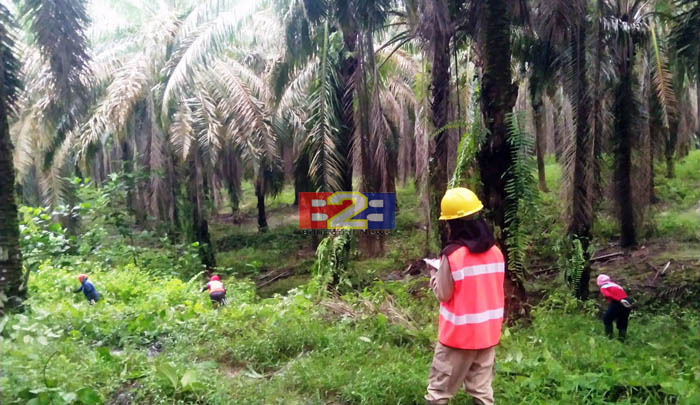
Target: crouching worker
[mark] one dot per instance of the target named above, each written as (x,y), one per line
(88,289)
(217,292)
(469,286)
(619,306)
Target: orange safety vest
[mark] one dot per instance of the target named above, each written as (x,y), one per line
(472,318)
(215,286)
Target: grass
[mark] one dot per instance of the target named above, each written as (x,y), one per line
(293,349)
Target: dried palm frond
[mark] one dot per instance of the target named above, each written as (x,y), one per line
(663,80)
(161,196)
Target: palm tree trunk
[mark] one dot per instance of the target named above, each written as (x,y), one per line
(582,217)
(10,254)
(555,98)
(260,194)
(498,96)
(623,154)
(539,116)
(651,189)
(200,224)
(598,109)
(440,107)
(670,146)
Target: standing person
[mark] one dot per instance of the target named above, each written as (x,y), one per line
(88,289)
(217,291)
(469,286)
(618,308)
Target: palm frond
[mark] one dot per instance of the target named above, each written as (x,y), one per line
(326,163)
(206,117)
(10,68)
(685,29)
(55,185)
(247,117)
(521,193)
(663,80)
(182,130)
(204,12)
(59,32)
(197,51)
(129,86)
(130,83)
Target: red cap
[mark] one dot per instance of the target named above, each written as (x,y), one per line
(82,277)
(215,278)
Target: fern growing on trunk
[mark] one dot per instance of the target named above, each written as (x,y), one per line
(469,145)
(332,257)
(521,193)
(573,261)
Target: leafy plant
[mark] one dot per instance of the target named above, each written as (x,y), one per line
(469,144)
(332,256)
(572,261)
(521,194)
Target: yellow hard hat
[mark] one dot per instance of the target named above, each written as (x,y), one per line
(459,202)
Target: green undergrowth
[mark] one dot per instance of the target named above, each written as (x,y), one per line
(157,340)
(250,253)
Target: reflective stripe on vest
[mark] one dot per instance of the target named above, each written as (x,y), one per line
(472,318)
(216,286)
(609,285)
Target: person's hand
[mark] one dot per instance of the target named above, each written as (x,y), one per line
(433,278)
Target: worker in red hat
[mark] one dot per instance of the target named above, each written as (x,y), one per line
(88,289)
(619,306)
(217,291)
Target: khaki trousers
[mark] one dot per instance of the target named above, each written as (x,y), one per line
(453,368)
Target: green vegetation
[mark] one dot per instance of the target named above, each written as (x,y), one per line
(156,339)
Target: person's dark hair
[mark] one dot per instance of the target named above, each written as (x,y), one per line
(474,233)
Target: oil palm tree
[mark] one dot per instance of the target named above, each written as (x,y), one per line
(58,32)
(566,23)
(627,23)
(498,96)
(325,34)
